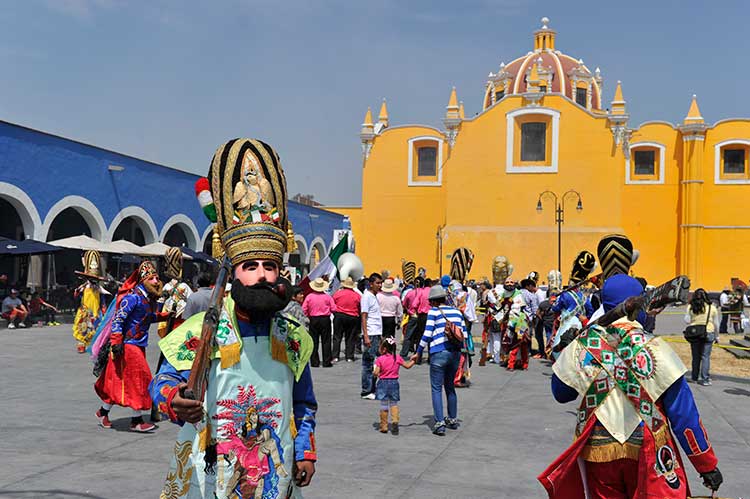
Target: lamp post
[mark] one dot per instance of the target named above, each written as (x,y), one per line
(559,215)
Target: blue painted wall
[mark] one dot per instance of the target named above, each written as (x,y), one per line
(48,168)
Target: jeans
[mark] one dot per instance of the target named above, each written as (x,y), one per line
(443,367)
(411,326)
(724,322)
(701,358)
(389,327)
(368,360)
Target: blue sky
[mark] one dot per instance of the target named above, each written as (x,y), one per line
(169,81)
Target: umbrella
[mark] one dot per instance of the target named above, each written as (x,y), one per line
(198,256)
(25,247)
(159,249)
(79,242)
(126,247)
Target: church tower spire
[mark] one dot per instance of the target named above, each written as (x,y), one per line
(383,115)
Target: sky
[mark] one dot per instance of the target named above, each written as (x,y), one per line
(169,80)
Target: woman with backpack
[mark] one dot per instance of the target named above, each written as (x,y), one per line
(444,336)
(701,333)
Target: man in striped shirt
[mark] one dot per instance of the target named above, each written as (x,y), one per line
(444,358)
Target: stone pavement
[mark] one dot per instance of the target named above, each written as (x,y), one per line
(511,430)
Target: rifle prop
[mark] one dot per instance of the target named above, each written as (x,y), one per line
(596,280)
(673,291)
(196,385)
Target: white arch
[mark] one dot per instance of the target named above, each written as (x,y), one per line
(206,235)
(84,207)
(191,233)
(32,223)
(142,218)
(318,241)
(304,254)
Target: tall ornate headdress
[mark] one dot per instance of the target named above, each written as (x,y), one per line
(554,279)
(501,269)
(409,271)
(582,267)
(173,256)
(615,255)
(92,265)
(461,261)
(248,188)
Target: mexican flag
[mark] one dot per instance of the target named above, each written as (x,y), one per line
(327,268)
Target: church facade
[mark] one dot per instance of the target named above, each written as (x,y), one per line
(546,140)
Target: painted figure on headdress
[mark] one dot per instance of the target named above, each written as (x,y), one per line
(176,291)
(635,406)
(90,309)
(253,436)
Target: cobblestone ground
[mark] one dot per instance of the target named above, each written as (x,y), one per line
(511,429)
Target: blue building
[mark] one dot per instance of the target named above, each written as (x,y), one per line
(52,187)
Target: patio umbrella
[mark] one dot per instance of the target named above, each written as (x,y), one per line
(79,242)
(198,256)
(26,247)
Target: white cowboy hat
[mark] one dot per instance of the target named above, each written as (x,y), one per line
(319,284)
(348,283)
(389,285)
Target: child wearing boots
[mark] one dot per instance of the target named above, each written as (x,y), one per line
(387,389)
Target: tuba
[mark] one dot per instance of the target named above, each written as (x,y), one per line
(349,265)
(501,269)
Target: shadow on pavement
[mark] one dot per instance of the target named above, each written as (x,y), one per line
(47,493)
(737,391)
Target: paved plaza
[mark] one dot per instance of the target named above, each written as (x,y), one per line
(511,430)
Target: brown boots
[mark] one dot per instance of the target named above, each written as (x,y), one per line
(383,421)
(394,420)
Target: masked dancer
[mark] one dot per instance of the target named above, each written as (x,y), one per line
(90,291)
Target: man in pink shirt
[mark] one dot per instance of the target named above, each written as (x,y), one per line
(319,306)
(419,306)
(346,320)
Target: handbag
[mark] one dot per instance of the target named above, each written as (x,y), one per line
(452,331)
(698,332)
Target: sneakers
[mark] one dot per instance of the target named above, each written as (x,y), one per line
(451,423)
(368,396)
(21,324)
(103,419)
(439,429)
(705,382)
(142,427)
(11,326)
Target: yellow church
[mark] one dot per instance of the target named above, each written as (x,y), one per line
(547,137)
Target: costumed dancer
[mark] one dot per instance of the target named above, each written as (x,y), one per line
(634,403)
(257,421)
(461,262)
(126,375)
(508,323)
(501,270)
(176,291)
(573,308)
(90,310)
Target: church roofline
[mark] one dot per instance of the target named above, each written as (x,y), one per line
(548,94)
(85,144)
(412,125)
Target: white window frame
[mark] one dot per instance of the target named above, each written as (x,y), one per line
(662,153)
(509,140)
(717,162)
(418,183)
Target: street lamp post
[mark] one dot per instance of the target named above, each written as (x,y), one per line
(559,216)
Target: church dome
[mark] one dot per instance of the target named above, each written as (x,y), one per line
(554,71)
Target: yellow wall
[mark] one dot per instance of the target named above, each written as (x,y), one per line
(492,212)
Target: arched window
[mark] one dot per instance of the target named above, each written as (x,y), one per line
(425,159)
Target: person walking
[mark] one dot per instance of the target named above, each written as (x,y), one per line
(346,320)
(701,312)
(387,386)
(390,308)
(319,306)
(444,358)
(724,304)
(372,330)
(409,302)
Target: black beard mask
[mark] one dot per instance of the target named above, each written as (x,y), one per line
(508,287)
(261,301)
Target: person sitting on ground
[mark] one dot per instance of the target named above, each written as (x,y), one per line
(41,310)
(387,388)
(13,310)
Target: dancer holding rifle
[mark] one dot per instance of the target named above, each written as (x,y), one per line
(635,402)
(239,373)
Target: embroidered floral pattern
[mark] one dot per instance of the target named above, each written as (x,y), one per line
(187,350)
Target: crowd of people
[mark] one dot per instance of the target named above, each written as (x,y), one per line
(248,429)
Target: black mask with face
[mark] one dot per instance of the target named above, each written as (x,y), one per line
(261,301)
(509,287)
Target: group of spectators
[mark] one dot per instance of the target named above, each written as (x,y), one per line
(22,310)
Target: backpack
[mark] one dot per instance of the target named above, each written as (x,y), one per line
(452,331)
